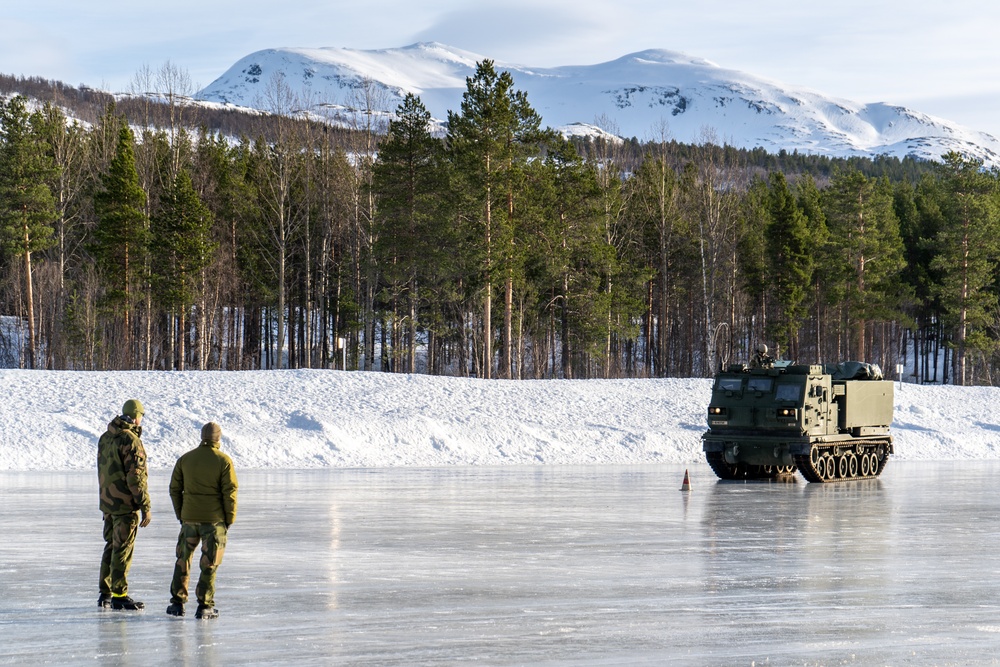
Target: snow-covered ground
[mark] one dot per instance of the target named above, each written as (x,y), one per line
(318,418)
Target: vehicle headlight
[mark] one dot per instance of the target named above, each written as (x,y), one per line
(714,410)
(787,413)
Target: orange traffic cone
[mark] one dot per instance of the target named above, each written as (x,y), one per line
(686,486)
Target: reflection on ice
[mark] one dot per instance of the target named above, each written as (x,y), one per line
(525,565)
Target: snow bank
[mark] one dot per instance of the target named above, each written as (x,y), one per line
(313,418)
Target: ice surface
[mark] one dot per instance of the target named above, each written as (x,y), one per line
(526,565)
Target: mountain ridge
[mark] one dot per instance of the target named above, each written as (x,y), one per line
(637,95)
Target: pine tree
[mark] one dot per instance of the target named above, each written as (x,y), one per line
(790,258)
(923,274)
(625,276)
(810,201)
(576,255)
(969,248)
(866,251)
(180,232)
(752,264)
(121,234)
(218,174)
(491,139)
(412,246)
(27,207)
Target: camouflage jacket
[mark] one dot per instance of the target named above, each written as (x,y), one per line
(121,469)
(203,486)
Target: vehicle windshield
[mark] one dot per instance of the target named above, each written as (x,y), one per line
(759,384)
(788,392)
(730,384)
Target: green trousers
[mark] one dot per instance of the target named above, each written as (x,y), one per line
(119,542)
(212,537)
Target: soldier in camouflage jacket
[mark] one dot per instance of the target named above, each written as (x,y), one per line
(121,470)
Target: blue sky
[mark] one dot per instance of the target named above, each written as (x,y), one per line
(939,58)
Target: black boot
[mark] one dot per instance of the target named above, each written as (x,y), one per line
(104,601)
(126,603)
(176,609)
(204,611)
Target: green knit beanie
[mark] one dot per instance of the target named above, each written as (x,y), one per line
(133,408)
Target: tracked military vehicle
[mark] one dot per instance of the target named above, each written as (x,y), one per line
(771,418)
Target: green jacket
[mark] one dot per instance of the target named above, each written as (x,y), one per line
(203,486)
(121,469)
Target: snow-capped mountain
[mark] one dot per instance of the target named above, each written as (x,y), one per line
(650,95)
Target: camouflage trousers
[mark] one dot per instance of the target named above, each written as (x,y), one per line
(212,537)
(119,542)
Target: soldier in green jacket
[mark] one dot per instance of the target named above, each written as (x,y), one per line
(203,490)
(121,472)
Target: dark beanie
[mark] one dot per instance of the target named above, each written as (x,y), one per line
(211,432)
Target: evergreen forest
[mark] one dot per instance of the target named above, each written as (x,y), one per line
(154,235)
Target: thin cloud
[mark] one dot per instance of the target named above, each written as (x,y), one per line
(530,34)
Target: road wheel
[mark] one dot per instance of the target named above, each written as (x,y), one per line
(831,468)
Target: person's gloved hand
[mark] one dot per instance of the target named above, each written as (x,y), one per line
(147,516)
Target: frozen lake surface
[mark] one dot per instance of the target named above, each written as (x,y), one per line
(596,565)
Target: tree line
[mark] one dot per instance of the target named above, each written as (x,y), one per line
(499,250)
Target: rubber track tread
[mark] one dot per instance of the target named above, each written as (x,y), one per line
(805,466)
(739,471)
